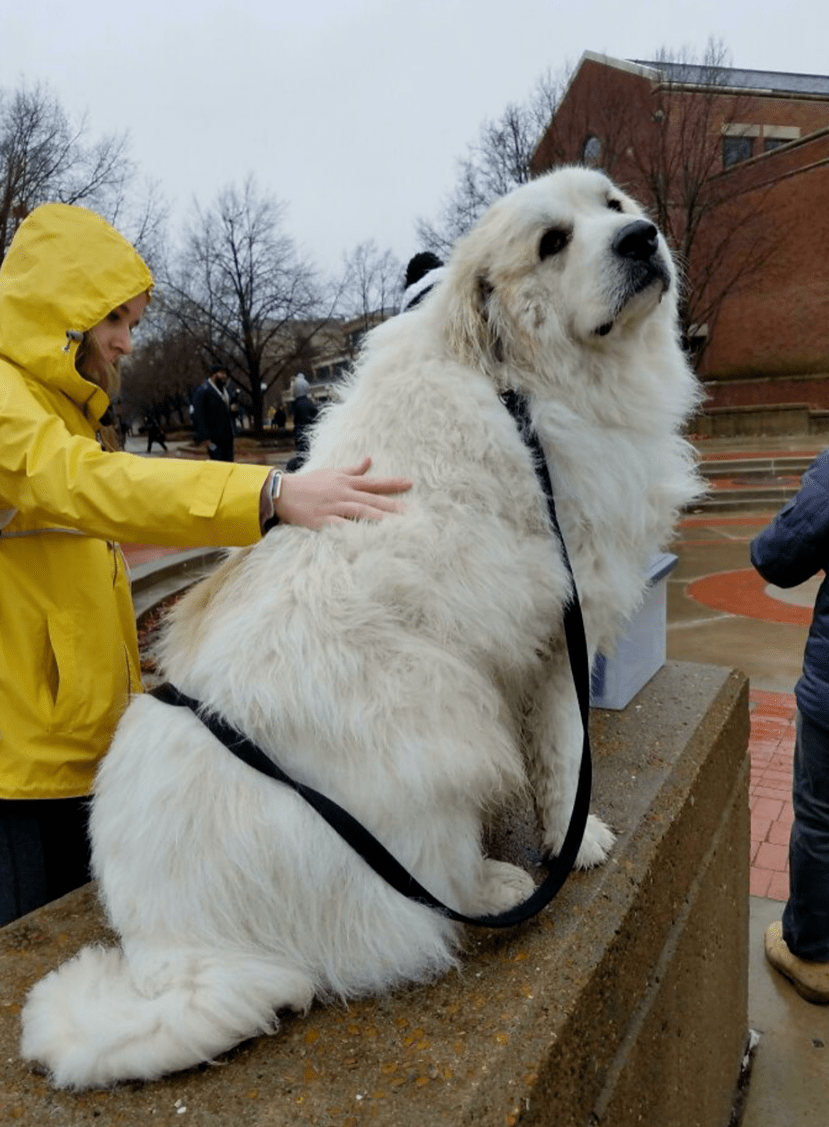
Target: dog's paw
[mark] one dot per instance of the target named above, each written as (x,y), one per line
(595,845)
(503,886)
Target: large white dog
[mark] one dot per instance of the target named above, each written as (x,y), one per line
(413,670)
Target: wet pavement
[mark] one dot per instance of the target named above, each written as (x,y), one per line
(721,612)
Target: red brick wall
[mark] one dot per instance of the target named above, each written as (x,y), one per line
(777,322)
(812,391)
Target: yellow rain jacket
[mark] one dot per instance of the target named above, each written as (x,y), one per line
(68,645)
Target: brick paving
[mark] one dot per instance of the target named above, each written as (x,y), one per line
(771,745)
(744,592)
(772,734)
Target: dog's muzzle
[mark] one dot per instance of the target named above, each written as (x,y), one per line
(641,264)
(637,245)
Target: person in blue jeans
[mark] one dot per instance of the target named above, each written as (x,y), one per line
(793,548)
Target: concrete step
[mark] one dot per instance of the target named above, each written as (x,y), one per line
(751,483)
(790,466)
(745,499)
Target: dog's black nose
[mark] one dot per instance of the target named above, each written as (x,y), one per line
(639,241)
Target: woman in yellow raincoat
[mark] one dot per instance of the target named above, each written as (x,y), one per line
(71,292)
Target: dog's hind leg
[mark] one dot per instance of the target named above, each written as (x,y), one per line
(554,742)
(93,1021)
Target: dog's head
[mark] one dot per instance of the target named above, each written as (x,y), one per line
(567,259)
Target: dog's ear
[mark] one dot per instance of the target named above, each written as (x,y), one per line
(470,329)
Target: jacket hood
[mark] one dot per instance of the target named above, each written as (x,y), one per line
(65,270)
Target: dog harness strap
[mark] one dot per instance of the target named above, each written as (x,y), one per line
(576,639)
(373,852)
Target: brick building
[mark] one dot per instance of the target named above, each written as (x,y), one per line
(734,166)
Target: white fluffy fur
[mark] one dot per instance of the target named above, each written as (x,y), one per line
(412,669)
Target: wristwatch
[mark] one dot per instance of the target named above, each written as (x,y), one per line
(271,492)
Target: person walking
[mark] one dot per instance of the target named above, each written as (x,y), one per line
(212,415)
(72,291)
(304,411)
(154,432)
(791,550)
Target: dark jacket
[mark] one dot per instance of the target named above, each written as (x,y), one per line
(793,548)
(305,411)
(212,420)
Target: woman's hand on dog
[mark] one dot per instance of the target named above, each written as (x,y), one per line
(332,496)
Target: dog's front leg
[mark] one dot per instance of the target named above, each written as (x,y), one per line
(554,745)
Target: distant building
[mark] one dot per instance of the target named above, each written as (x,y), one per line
(323,350)
(754,145)
(335,350)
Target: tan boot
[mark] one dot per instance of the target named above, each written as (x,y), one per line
(810,980)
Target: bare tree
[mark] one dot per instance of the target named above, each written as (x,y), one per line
(500,160)
(678,161)
(141,214)
(373,281)
(161,374)
(45,156)
(242,295)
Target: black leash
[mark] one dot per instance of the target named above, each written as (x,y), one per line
(358,837)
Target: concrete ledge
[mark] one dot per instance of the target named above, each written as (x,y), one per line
(153,581)
(624,1003)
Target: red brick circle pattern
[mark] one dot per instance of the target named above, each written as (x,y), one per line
(743,592)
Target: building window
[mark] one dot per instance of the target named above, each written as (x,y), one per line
(736,149)
(770,143)
(591,150)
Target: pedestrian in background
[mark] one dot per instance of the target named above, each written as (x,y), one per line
(154,432)
(304,411)
(423,271)
(212,416)
(791,550)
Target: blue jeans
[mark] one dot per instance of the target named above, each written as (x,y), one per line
(806,916)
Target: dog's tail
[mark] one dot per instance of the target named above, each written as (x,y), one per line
(90,1025)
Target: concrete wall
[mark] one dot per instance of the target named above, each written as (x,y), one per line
(624,1003)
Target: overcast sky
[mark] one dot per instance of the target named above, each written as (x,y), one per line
(354,113)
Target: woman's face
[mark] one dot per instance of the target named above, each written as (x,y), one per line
(113,335)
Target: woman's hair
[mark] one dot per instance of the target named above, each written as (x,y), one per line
(90,363)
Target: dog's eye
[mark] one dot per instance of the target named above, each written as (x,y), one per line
(614,205)
(553,242)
